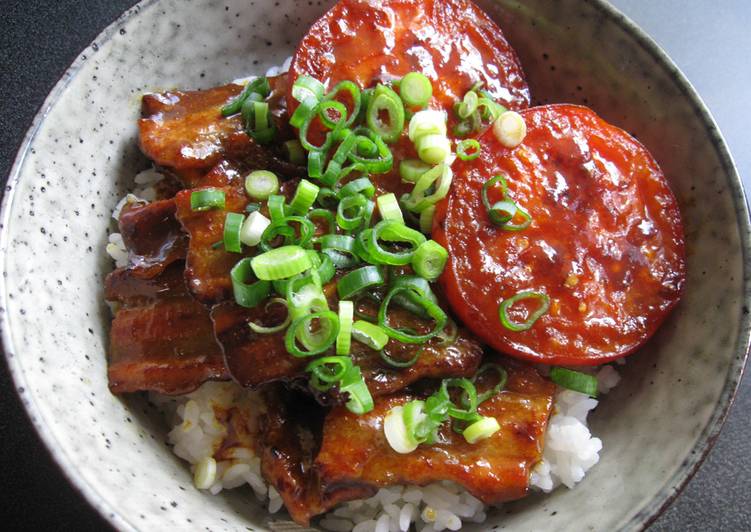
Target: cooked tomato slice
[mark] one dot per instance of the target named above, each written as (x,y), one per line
(605,243)
(452,42)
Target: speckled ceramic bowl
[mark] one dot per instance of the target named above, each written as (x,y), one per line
(80,155)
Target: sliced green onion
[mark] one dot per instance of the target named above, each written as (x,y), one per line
(426,219)
(469,399)
(351,211)
(318,342)
(385,100)
(324,110)
(207,198)
(433,149)
(276,207)
(510,129)
(427,122)
(340,249)
(286,230)
(399,437)
(361,185)
(388,207)
(305,196)
(324,272)
(574,380)
(429,260)
(359,280)
(498,388)
(448,335)
(438,180)
(304,296)
(260,329)
(369,334)
(502,212)
(248,294)
(468,149)
(360,401)
(411,170)
(395,232)
(344,338)
(305,127)
(306,87)
(259,86)
(295,152)
(400,363)
(303,112)
(324,214)
(323,375)
(468,105)
(252,207)
(506,321)
(316,162)
(355,95)
(261,184)
(378,163)
(415,89)
(482,429)
(431,309)
(281,263)
(233,223)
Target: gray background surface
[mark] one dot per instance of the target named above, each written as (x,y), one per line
(710,42)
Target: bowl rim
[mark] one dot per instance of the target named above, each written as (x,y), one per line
(641,519)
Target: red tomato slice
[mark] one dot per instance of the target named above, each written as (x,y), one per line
(605,243)
(452,42)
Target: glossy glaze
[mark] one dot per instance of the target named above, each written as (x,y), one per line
(153,237)
(161,338)
(185,132)
(452,42)
(354,448)
(605,244)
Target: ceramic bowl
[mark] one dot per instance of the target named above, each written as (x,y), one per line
(81,154)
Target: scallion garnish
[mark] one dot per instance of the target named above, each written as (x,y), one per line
(422,300)
(344,338)
(388,359)
(506,304)
(233,223)
(261,184)
(327,329)
(429,260)
(248,291)
(259,86)
(306,87)
(385,100)
(305,196)
(207,198)
(388,207)
(281,263)
(411,170)
(501,213)
(481,429)
(369,334)
(393,232)
(261,329)
(253,228)
(415,89)
(358,280)
(468,149)
(574,380)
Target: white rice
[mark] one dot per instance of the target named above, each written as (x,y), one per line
(570,450)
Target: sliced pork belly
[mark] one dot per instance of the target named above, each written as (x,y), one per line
(185,132)
(354,450)
(161,338)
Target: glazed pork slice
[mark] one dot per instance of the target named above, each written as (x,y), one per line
(153,237)
(185,132)
(161,338)
(354,450)
(208,265)
(256,359)
(290,436)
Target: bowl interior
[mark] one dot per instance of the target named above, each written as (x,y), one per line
(83,155)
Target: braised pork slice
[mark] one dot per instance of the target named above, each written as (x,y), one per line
(185,132)
(255,359)
(208,265)
(161,338)
(354,449)
(153,237)
(290,436)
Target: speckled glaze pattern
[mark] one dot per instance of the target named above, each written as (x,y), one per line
(81,154)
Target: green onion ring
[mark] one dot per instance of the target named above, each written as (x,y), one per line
(531,319)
